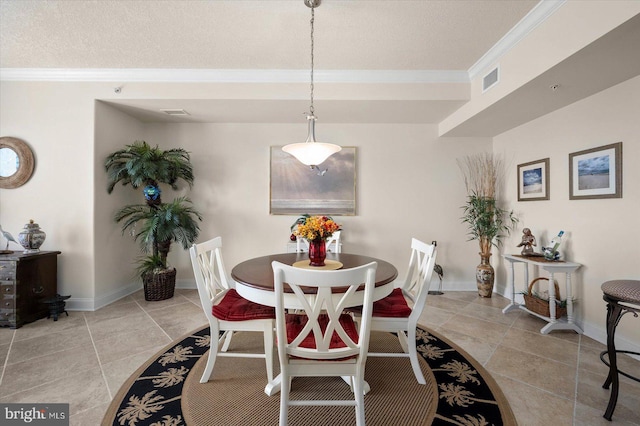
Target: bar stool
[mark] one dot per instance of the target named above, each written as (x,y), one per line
(618,294)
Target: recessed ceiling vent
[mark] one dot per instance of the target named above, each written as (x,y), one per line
(174,111)
(491,79)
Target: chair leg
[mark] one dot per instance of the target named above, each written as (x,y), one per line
(285,388)
(213,351)
(358,394)
(402,338)
(413,355)
(227,341)
(269,349)
(613,317)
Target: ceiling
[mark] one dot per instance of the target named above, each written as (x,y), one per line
(438,40)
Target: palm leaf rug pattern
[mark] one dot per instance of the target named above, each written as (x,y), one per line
(154,399)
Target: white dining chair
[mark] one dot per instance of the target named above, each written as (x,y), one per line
(324,340)
(333,244)
(226,310)
(393,313)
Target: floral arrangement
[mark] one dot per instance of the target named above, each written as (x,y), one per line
(317,228)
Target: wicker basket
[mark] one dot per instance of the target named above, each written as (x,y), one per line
(159,285)
(541,306)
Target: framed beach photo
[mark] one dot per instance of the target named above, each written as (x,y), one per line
(533,180)
(326,189)
(596,173)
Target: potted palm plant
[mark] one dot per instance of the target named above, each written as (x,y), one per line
(485,220)
(160,224)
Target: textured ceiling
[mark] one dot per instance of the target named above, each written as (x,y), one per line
(258,34)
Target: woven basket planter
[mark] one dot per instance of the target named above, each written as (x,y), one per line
(159,285)
(541,306)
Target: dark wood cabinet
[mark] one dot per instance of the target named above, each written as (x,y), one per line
(26,281)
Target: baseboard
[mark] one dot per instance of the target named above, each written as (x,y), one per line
(89,304)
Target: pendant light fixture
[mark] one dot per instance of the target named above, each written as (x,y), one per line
(311,152)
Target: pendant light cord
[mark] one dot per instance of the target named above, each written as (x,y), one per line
(313,7)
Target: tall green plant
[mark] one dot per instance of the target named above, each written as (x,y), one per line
(487,222)
(140,164)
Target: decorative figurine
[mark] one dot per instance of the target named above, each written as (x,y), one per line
(7,236)
(527,243)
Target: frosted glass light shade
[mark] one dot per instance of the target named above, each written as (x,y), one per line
(311,153)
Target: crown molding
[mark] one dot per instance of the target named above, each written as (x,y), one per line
(535,17)
(230,75)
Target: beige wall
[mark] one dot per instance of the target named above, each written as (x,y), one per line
(602,234)
(408,185)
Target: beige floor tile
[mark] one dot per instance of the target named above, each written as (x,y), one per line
(451,305)
(478,348)
(23,350)
(126,344)
(495,301)
(533,406)
(543,373)
(4,351)
(180,319)
(467,296)
(81,391)
(91,417)
(6,335)
(116,372)
(120,309)
(543,345)
(489,313)
(44,326)
(434,317)
(591,416)
(592,394)
(112,327)
(492,332)
(590,360)
(38,371)
(159,304)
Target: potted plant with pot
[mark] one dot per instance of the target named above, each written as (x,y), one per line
(485,220)
(154,224)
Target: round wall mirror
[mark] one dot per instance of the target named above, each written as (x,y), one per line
(16,162)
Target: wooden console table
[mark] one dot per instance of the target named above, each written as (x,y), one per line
(551,267)
(26,281)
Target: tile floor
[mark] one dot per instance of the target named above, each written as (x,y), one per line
(83,359)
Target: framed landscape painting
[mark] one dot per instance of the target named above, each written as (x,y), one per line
(533,180)
(329,188)
(596,173)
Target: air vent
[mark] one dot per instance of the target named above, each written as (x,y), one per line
(491,79)
(174,111)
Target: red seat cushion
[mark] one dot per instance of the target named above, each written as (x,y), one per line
(392,306)
(234,307)
(295,324)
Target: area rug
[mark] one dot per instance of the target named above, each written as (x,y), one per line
(166,391)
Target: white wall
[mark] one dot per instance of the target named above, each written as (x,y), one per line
(603,234)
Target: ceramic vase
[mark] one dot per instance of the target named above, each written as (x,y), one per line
(485,276)
(32,237)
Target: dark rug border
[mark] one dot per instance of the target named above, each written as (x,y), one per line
(508,417)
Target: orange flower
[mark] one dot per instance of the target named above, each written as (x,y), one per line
(317,227)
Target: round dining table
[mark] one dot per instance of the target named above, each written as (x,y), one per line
(254,281)
(254,277)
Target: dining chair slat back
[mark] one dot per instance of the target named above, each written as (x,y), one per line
(226,311)
(414,287)
(323,340)
(333,243)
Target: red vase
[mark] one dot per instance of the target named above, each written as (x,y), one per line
(317,252)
